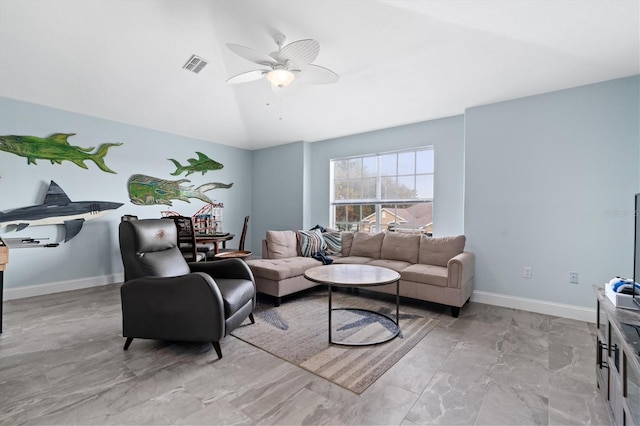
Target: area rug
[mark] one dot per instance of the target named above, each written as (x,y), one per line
(297,331)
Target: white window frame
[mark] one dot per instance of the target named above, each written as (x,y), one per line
(379,201)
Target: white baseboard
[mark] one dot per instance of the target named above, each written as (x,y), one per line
(579,313)
(532,305)
(49,288)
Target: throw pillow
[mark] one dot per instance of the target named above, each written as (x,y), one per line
(310,242)
(334,242)
(438,251)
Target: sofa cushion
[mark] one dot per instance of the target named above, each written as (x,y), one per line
(425,274)
(281,269)
(366,245)
(396,246)
(347,242)
(310,242)
(396,265)
(438,251)
(359,260)
(281,244)
(333,241)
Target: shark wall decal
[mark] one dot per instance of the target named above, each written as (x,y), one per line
(58,209)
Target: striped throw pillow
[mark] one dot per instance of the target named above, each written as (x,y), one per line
(310,242)
(334,242)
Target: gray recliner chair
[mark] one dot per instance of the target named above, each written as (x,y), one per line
(165,297)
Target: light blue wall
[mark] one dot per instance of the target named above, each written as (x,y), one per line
(94,251)
(308,186)
(278,190)
(549,184)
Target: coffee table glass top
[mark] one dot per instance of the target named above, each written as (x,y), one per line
(352,275)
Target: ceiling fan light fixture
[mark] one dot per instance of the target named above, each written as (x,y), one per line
(280,77)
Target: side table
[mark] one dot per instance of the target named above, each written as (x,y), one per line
(4,259)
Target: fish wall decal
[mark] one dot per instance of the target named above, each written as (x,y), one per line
(148,190)
(55,148)
(202,164)
(58,209)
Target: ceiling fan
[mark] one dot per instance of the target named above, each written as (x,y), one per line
(290,62)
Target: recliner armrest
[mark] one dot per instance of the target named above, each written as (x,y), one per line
(225,268)
(460,269)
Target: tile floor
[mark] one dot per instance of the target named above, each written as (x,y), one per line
(61,362)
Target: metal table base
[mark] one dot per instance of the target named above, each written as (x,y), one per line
(376,342)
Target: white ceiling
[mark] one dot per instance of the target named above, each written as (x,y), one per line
(399,61)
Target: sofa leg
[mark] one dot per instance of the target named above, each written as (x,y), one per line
(278,301)
(127,343)
(253,321)
(216,346)
(455,311)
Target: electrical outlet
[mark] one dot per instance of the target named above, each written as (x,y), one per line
(526,272)
(573,277)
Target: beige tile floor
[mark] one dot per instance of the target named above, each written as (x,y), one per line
(61,362)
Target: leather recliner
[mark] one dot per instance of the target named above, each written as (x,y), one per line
(165,297)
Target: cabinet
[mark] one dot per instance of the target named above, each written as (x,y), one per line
(618,360)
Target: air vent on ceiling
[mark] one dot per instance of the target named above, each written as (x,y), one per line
(195,64)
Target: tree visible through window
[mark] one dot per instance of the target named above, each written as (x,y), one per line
(384,192)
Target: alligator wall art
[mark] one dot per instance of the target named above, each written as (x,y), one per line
(201,164)
(58,209)
(55,148)
(148,190)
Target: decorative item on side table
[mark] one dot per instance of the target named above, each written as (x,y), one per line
(207,227)
(208,220)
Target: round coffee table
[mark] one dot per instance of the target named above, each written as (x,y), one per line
(357,276)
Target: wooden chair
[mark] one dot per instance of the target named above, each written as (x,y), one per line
(239,252)
(187,238)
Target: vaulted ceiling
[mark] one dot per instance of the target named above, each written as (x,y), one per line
(399,61)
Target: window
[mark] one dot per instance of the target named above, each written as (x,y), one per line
(383,192)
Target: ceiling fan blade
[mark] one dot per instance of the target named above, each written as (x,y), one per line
(251,54)
(248,76)
(300,53)
(315,74)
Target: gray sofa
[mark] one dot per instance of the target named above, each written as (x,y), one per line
(431,269)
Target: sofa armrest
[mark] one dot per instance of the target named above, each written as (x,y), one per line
(460,269)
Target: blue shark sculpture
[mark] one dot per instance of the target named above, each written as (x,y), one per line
(58,209)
